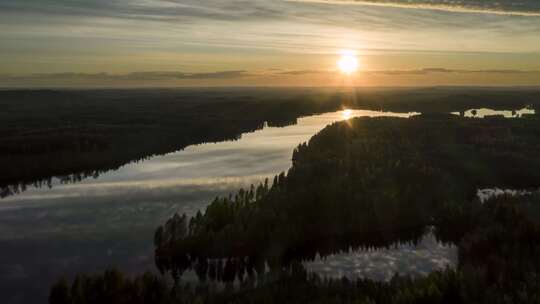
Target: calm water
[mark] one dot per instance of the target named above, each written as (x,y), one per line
(97,223)
(483,112)
(383,264)
(88,226)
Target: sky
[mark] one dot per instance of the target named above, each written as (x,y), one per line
(153,43)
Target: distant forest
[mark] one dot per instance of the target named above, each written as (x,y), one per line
(74,134)
(361,183)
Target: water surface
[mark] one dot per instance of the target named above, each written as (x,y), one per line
(110,220)
(382,264)
(485,112)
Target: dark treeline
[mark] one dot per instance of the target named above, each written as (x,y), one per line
(498,264)
(79,134)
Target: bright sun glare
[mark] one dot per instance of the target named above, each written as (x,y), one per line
(347,63)
(346,114)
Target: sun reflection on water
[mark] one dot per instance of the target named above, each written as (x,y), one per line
(346,114)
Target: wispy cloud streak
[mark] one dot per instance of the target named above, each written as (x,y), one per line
(157,76)
(426,71)
(515,8)
(135,76)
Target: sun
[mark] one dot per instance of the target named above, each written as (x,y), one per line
(347,63)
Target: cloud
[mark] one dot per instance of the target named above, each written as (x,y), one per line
(234,10)
(135,76)
(426,71)
(158,78)
(68,32)
(423,71)
(179,75)
(158,10)
(518,8)
(302,72)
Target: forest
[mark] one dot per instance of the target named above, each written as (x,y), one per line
(76,134)
(361,183)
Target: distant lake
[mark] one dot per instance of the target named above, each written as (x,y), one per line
(110,220)
(483,112)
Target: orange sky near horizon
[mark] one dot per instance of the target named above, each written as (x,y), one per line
(132,43)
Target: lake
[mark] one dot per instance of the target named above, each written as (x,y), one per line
(483,112)
(110,220)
